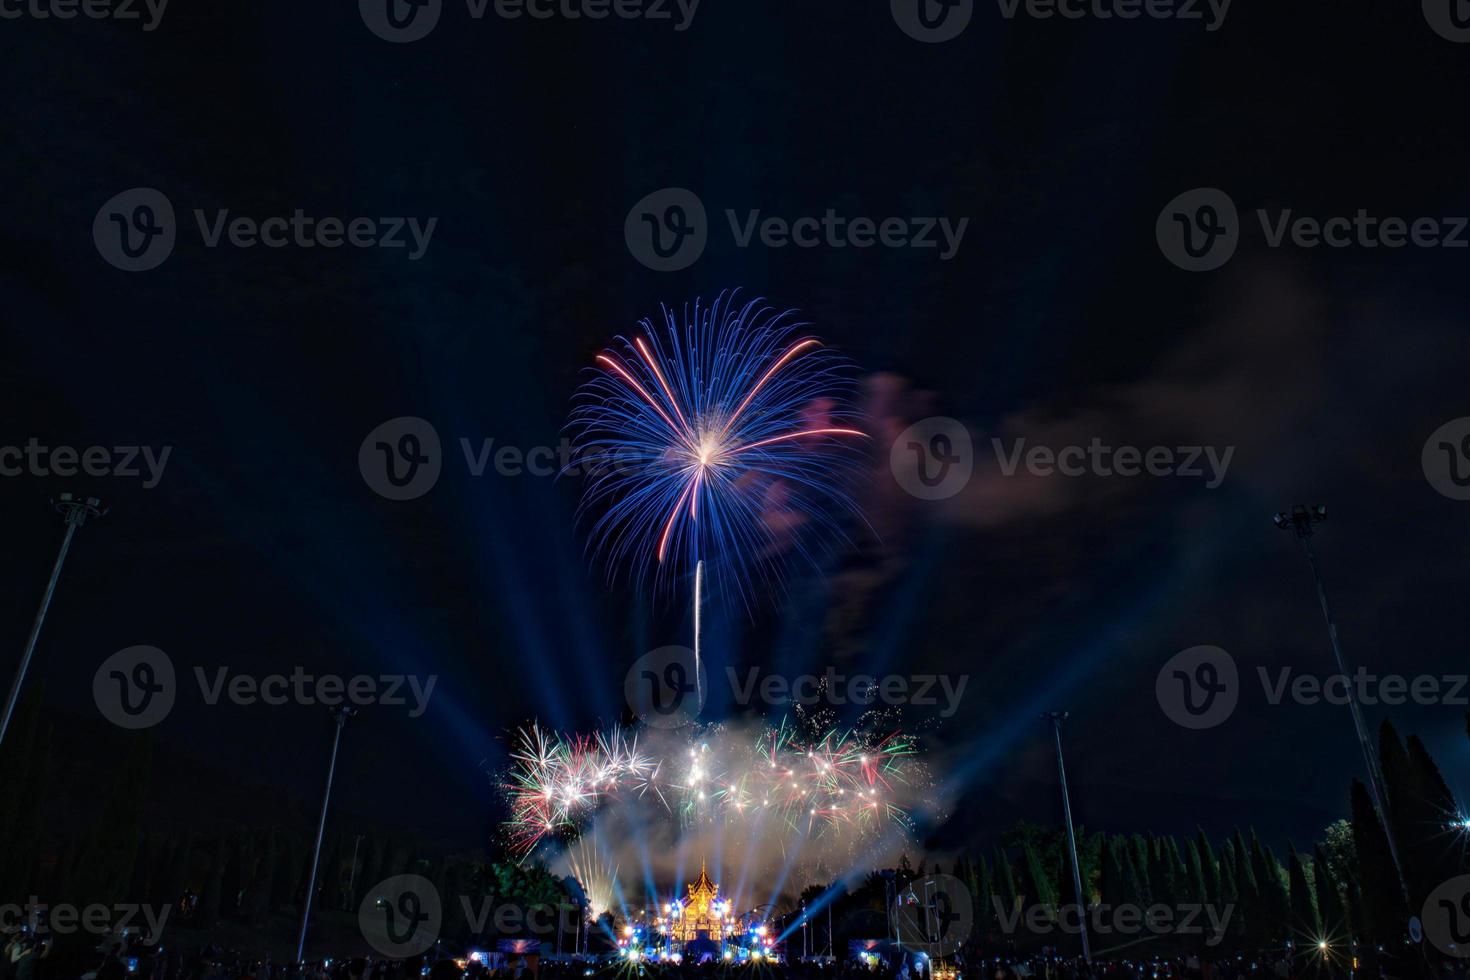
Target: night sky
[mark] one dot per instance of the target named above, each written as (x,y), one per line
(1058,320)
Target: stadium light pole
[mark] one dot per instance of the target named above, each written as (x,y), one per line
(340,714)
(1299,523)
(75,513)
(1056,718)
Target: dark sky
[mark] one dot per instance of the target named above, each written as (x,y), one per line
(1058,320)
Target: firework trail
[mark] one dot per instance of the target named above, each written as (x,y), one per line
(595,871)
(715,438)
(847,785)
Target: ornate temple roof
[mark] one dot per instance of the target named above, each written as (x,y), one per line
(702,886)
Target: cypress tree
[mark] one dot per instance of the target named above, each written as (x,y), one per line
(210,895)
(1404,810)
(1135,892)
(1035,880)
(1195,889)
(1005,882)
(1210,866)
(1329,901)
(1111,881)
(983,888)
(1277,897)
(1305,920)
(1382,908)
(1142,866)
(1160,873)
(1433,809)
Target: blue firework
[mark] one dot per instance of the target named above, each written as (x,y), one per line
(724,435)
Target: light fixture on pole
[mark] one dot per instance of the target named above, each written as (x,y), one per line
(340,715)
(1056,718)
(1300,522)
(75,513)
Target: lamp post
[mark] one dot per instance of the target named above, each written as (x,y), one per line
(75,513)
(1299,523)
(340,715)
(1056,718)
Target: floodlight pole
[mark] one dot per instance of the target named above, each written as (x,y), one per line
(75,513)
(1056,718)
(1299,522)
(340,715)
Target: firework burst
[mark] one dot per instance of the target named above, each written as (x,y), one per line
(721,437)
(851,785)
